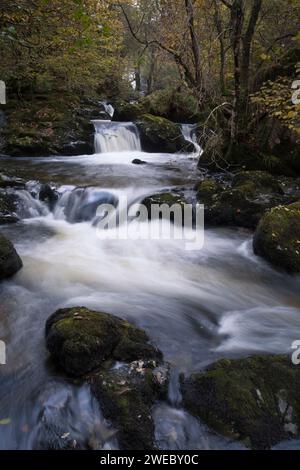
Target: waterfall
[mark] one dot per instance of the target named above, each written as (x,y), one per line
(189,133)
(116,137)
(108,108)
(81,204)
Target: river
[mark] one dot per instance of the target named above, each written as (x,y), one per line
(196,306)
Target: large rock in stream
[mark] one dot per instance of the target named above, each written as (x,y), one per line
(160,135)
(80,340)
(253,400)
(243,202)
(277,238)
(125,371)
(10,261)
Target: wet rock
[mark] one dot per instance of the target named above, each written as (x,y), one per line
(254,400)
(170,199)
(244,202)
(80,340)
(160,135)
(10,262)
(277,238)
(48,195)
(137,161)
(7,209)
(11,182)
(127,394)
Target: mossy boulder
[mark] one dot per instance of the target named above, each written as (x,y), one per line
(127,112)
(169,199)
(49,124)
(254,400)
(10,261)
(173,104)
(241,203)
(160,135)
(277,238)
(80,340)
(126,395)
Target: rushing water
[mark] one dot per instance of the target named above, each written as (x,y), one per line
(196,306)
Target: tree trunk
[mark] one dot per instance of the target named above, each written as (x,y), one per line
(237,20)
(189,6)
(137,77)
(246,56)
(220,30)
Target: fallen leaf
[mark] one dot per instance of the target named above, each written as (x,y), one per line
(5,421)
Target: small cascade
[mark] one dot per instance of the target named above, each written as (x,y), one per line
(116,137)
(108,108)
(29,206)
(189,133)
(81,204)
(174,393)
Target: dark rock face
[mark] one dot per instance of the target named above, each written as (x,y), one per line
(10,262)
(80,340)
(126,395)
(244,202)
(254,400)
(160,135)
(277,238)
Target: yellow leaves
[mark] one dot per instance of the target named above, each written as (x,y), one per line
(265,57)
(5,422)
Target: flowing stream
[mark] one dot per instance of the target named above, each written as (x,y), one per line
(196,306)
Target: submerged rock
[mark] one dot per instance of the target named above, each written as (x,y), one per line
(10,262)
(126,395)
(244,202)
(80,340)
(254,400)
(277,238)
(137,161)
(160,135)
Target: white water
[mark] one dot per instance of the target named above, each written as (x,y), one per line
(189,133)
(109,109)
(116,137)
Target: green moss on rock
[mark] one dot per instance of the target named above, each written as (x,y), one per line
(80,340)
(126,396)
(277,238)
(160,135)
(254,400)
(243,203)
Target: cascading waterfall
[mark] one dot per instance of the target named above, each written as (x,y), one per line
(108,108)
(81,204)
(116,137)
(189,133)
